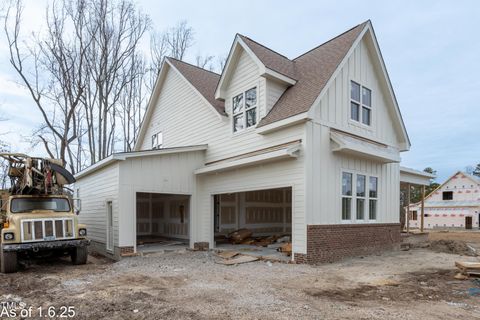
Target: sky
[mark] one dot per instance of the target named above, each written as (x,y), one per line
(431,50)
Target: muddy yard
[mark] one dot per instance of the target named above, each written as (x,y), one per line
(415,284)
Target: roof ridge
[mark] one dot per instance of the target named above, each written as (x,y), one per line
(338,36)
(192,65)
(264,46)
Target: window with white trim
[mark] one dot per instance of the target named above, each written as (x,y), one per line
(360,103)
(244,110)
(157,140)
(357,200)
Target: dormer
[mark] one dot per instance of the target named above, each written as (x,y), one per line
(252,81)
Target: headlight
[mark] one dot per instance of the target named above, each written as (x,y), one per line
(82,232)
(8,236)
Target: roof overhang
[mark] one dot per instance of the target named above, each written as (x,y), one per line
(412,176)
(363,148)
(122,156)
(290,151)
(237,47)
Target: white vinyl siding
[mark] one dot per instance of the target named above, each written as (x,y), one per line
(96,189)
(185,119)
(170,174)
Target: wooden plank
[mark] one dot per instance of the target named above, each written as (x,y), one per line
(467,265)
(227,254)
(238,260)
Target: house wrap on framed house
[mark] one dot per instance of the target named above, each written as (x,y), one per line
(307,146)
(454,204)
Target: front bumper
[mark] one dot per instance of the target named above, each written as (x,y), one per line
(46,245)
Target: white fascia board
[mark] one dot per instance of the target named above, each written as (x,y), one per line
(301,117)
(150,105)
(135,154)
(191,86)
(363,149)
(269,73)
(417,172)
(100,164)
(289,152)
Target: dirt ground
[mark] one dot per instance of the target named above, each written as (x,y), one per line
(415,284)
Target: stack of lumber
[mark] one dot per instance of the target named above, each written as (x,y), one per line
(468,268)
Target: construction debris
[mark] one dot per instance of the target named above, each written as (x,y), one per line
(240,235)
(227,254)
(452,246)
(468,268)
(233,258)
(286,248)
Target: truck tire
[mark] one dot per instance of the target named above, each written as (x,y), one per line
(8,262)
(79,255)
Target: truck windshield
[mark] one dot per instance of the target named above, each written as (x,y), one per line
(30,204)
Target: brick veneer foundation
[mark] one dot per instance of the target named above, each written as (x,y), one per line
(126,250)
(201,246)
(328,243)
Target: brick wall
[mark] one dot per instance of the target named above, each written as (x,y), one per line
(328,243)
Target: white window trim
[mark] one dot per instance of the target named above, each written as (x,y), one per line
(159,144)
(353,203)
(361,106)
(244,111)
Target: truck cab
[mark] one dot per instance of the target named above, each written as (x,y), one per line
(40,225)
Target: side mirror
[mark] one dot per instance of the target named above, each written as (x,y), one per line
(77,205)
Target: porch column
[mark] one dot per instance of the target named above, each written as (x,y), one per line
(423,208)
(408,208)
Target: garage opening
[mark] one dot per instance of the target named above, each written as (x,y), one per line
(162,221)
(258,222)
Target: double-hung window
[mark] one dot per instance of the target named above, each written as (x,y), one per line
(359,197)
(360,103)
(244,110)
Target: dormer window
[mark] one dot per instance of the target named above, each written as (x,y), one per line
(360,103)
(244,110)
(157,140)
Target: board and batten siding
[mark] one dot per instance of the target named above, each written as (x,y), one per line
(334,107)
(283,173)
(324,168)
(186,119)
(168,174)
(95,190)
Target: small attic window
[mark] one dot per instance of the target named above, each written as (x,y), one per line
(447,195)
(360,103)
(157,140)
(244,110)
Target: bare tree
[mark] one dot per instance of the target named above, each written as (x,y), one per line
(173,42)
(204,62)
(52,72)
(116,30)
(87,75)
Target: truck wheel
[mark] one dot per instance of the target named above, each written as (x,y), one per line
(8,262)
(79,255)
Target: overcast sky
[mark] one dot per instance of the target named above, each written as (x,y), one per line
(431,50)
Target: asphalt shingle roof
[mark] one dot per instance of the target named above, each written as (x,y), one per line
(203,80)
(311,70)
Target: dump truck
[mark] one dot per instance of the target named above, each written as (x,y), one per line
(38,216)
